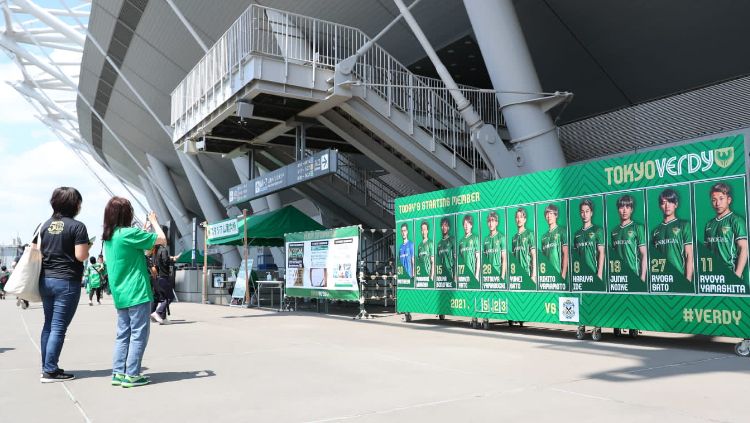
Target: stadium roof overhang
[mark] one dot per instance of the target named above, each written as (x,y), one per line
(611,54)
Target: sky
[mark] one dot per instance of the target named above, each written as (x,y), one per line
(34,163)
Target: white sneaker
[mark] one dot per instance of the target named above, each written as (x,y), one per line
(90,303)
(156,318)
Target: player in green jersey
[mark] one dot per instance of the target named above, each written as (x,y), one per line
(425,254)
(555,242)
(468,247)
(445,251)
(494,246)
(726,234)
(629,239)
(589,240)
(673,238)
(524,245)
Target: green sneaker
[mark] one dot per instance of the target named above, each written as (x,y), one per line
(117,379)
(132,381)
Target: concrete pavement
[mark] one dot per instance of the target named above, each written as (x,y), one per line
(223,364)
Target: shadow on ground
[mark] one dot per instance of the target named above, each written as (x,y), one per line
(165,377)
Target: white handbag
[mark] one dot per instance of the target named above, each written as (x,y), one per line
(24,281)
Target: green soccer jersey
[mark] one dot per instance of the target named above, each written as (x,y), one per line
(625,242)
(586,244)
(552,243)
(424,259)
(493,248)
(522,245)
(722,235)
(445,257)
(669,240)
(468,248)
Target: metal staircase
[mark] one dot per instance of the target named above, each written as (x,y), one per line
(407,124)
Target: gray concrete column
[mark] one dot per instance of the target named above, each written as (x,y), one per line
(509,64)
(155,202)
(207,202)
(290,39)
(259,205)
(160,173)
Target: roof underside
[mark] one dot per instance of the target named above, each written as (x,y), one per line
(609,53)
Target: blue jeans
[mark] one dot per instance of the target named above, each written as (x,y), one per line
(133,327)
(60,300)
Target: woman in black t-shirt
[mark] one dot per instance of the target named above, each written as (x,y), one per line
(64,245)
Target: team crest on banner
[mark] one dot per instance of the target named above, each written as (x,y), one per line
(724,157)
(568,307)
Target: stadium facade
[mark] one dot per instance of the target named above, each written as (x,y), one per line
(184,99)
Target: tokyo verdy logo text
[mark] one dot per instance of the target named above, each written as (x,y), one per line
(688,163)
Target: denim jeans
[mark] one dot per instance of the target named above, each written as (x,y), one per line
(132,337)
(60,300)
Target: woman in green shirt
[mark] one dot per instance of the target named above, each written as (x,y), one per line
(95,273)
(130,284)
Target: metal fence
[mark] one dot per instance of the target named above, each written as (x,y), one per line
(322,45)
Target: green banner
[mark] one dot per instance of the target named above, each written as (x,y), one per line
(323,264)
(652,241)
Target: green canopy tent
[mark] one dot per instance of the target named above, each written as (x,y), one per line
(268,229)
(186,257)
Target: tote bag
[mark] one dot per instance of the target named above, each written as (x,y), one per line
(24,281)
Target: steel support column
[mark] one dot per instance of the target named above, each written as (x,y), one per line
(207,203)
(511,70)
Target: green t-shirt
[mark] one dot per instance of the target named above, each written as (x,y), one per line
(445,258)
(94,273)
(522,245)
(468,248)
(625,242)
(424,258)
(721,237)
(586,243)
(129,279)
(669,240)
(492,250)
(552,243)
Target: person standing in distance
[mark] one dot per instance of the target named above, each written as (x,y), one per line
(524,246)
(629,239)
(494,246)
(64,246)
(555,242)
(425,254)
(163,287)
(406,253)
(130,284)
(589,240)
(673,238)
(726,234)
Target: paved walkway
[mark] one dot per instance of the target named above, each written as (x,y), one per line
(223,364)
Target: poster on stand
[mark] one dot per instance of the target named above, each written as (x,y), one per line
(323,264)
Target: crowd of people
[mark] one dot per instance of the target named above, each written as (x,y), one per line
(134,269)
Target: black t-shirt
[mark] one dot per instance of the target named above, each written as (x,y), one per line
(163,262)
(59,238)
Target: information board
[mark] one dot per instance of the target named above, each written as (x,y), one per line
(651,241)
(323,264)
(317,165)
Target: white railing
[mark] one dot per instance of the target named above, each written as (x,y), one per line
(322,45)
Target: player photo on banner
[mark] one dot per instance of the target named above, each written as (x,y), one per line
(627,244)
(494,251)
(670,247)
(467,251)
(445,252)
(553,246)
(721,229)
(405,249)
(588,244)
(424,276)
(522,260)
